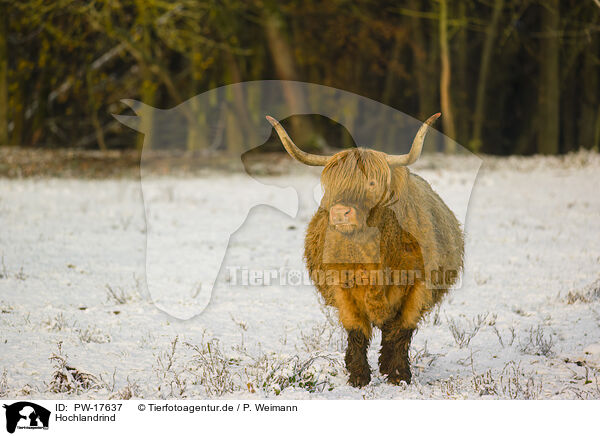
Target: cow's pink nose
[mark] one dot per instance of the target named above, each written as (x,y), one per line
(341,214)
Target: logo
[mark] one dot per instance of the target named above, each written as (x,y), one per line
(26,415)
(191,222)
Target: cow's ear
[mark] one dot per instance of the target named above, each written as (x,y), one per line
(400,172)
(400,177)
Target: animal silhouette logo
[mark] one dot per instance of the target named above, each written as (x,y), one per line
(190,221)
(26,415)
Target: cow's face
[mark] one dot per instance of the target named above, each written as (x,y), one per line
(356,182)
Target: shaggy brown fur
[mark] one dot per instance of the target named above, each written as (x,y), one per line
(356,359)
(401,225)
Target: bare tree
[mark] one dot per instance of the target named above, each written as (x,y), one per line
(3,74)
(549,89)
(486,57)
(445,100)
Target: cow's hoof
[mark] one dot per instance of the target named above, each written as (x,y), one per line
(397,376)
(359,380)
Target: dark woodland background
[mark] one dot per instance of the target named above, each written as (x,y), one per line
(510,76)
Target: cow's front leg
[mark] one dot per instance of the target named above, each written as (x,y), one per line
(356,359)
(393,358)
(359,333)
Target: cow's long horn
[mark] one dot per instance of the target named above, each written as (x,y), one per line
(416,147)
(314,160)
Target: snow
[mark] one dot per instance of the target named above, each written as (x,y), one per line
(524,324)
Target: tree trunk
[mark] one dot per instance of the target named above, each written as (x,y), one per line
(386,97)
(549,93)
(148,97)
(589,95)
(94,106)
(445,101)
(426,64)
(148,85)
(569,107)
(390,76)
(240,104)
(286,69)
(486,57)
(463,112)
(283,60)
(3,75)
(41,92)
(16,136)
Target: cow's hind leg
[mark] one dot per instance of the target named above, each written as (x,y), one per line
(356,358)
(393,358)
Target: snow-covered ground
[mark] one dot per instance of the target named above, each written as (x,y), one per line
(524,324)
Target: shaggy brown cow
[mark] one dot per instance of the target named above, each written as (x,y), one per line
(377,220)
